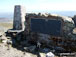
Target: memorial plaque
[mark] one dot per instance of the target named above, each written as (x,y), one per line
(46,26)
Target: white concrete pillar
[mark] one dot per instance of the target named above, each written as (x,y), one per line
(19,18)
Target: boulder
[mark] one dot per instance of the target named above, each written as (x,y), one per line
(74,31)
(50,54)
(42,54)
(46,50)
(30,48)
(67,26)
(1,34)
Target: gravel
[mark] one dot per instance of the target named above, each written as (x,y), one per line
(13,52)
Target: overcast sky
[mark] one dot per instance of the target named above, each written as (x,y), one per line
(38,5)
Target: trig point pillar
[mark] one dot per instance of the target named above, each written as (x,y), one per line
(19,18)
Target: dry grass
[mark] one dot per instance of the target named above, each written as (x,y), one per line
(5,26)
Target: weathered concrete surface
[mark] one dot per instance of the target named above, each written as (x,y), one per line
(19,18)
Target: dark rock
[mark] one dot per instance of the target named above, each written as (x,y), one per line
(46,50)
(30,48)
